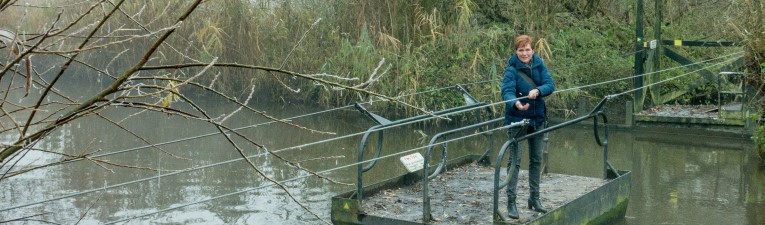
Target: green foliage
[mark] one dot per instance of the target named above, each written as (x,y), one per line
(353,60)
(465,12)
(759,141)
(432,44)
(427,45)
(589,52)
(423,137)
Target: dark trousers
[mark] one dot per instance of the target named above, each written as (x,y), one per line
(535,161)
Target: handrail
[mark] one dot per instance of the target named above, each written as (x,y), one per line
(382,125)
(609,171)
(735,92)
(443,134)
(426,163)
(471,100)
(385,123)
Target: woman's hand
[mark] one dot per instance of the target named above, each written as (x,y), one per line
(533,93)
(520,106)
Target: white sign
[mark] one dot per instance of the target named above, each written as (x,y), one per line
(413,162)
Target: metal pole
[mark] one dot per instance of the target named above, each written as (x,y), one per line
(639,57)
(657,36)
(719,97)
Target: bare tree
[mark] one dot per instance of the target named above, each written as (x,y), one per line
(147,82)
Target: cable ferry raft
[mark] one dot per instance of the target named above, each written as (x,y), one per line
(470,190)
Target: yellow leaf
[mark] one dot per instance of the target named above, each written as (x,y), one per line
(171,96)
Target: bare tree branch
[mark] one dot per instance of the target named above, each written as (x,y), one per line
(208,89)
(295,74)
(61,72)
(5,153)
(29,218)
(71,40)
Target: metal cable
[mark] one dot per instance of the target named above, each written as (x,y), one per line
(230,161)
(403,152)
(307,175)
(676,77)
(270,122)
(205,166)
(418,148)
(331,139)
(597,61)
(240,128)
(573,66)
(645,74)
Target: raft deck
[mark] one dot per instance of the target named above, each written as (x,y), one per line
(472,194)
(463,195)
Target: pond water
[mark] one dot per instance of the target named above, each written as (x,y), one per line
(679,176)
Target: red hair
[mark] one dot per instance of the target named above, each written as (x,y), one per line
(522,41)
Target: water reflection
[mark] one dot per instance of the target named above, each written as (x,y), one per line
(677,178)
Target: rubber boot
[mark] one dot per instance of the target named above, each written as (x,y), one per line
(535,204)
(512,211)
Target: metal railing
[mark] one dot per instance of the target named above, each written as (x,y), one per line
(426,215)
(609,171)
(739,91)
(383,123)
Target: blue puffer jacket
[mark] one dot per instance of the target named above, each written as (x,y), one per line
(514,86)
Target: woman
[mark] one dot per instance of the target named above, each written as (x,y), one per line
(530,106)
